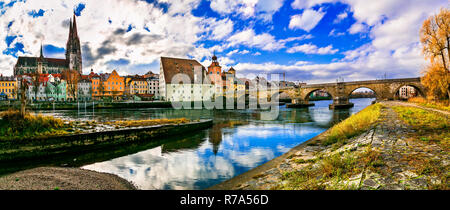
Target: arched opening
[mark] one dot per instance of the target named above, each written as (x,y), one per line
(362,92)
(362,96)
(408,91)
(318,95)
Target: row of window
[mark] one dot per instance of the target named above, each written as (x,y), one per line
(9,84)
(6,90)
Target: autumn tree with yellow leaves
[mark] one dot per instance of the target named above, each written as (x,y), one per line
(435,38)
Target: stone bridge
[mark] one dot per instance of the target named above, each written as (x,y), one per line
(386,89)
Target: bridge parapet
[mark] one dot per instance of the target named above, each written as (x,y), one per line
(386,89)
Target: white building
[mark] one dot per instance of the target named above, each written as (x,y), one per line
(173,70)
(153,86)
(85,90)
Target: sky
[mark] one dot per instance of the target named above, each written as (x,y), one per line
(311,41)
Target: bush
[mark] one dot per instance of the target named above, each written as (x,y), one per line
(13,124)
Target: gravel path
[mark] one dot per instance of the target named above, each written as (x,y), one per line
(400,103)
(53,178)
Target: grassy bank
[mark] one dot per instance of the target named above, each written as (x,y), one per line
(322,172)
(13,126)
(353,125)
(431,127)
(442,105)
(23,137)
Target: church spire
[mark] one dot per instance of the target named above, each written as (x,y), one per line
(42,54)
(74,27)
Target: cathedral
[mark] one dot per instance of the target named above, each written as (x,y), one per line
(44,65)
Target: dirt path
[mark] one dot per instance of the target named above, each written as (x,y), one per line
(52,178)
(400,103)
(398,162)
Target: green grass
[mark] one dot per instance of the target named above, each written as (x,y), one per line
(330,171)
(353,125)
(431,127)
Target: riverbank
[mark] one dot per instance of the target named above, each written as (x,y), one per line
(89,105)
(71,137)
(53,178)
(394,152)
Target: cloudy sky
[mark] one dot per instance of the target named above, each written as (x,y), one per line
(311,40)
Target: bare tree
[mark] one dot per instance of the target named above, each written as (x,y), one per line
(72,78)
(23,88)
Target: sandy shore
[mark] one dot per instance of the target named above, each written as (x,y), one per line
(53,178)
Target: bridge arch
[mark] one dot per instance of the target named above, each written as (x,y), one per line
(374,89)
(309,92)
(419,88)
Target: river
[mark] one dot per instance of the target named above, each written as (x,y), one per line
(237,142)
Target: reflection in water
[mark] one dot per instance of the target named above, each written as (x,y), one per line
(237,142)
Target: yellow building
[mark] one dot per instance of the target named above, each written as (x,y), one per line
(137,85)
(8,87)
(107,85)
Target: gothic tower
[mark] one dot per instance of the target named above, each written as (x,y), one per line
(73,48)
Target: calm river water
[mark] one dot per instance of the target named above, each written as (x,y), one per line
(238,142)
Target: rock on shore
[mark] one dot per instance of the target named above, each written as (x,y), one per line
(53,178)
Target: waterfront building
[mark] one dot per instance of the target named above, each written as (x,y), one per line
(46,90)
(137,85)
(224,81)
(194,90)
(111,85)
(153,86)
(8,88)
(85,88)
(44,65)
(57,91)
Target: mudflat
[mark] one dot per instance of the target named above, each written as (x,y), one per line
(55,178)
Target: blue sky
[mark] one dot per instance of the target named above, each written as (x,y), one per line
(312,41)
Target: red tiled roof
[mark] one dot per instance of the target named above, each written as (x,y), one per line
(173,66)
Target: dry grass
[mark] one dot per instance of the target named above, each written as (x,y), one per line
(442,105)
(139,123)
(329,172)
(13,125)
(353,125)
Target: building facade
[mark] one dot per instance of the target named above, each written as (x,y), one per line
(8,88)
(193,90)
(85,89)
(153,86)
(113,85)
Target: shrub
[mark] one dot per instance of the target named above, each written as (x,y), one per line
(13,124)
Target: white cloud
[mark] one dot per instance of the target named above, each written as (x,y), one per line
(260,9)
(298,38)
(341,17)
(220,28)
(236,51)
(358,28)
(334,33)
(312,49)
(304,4)
(248,38)
(307,20)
